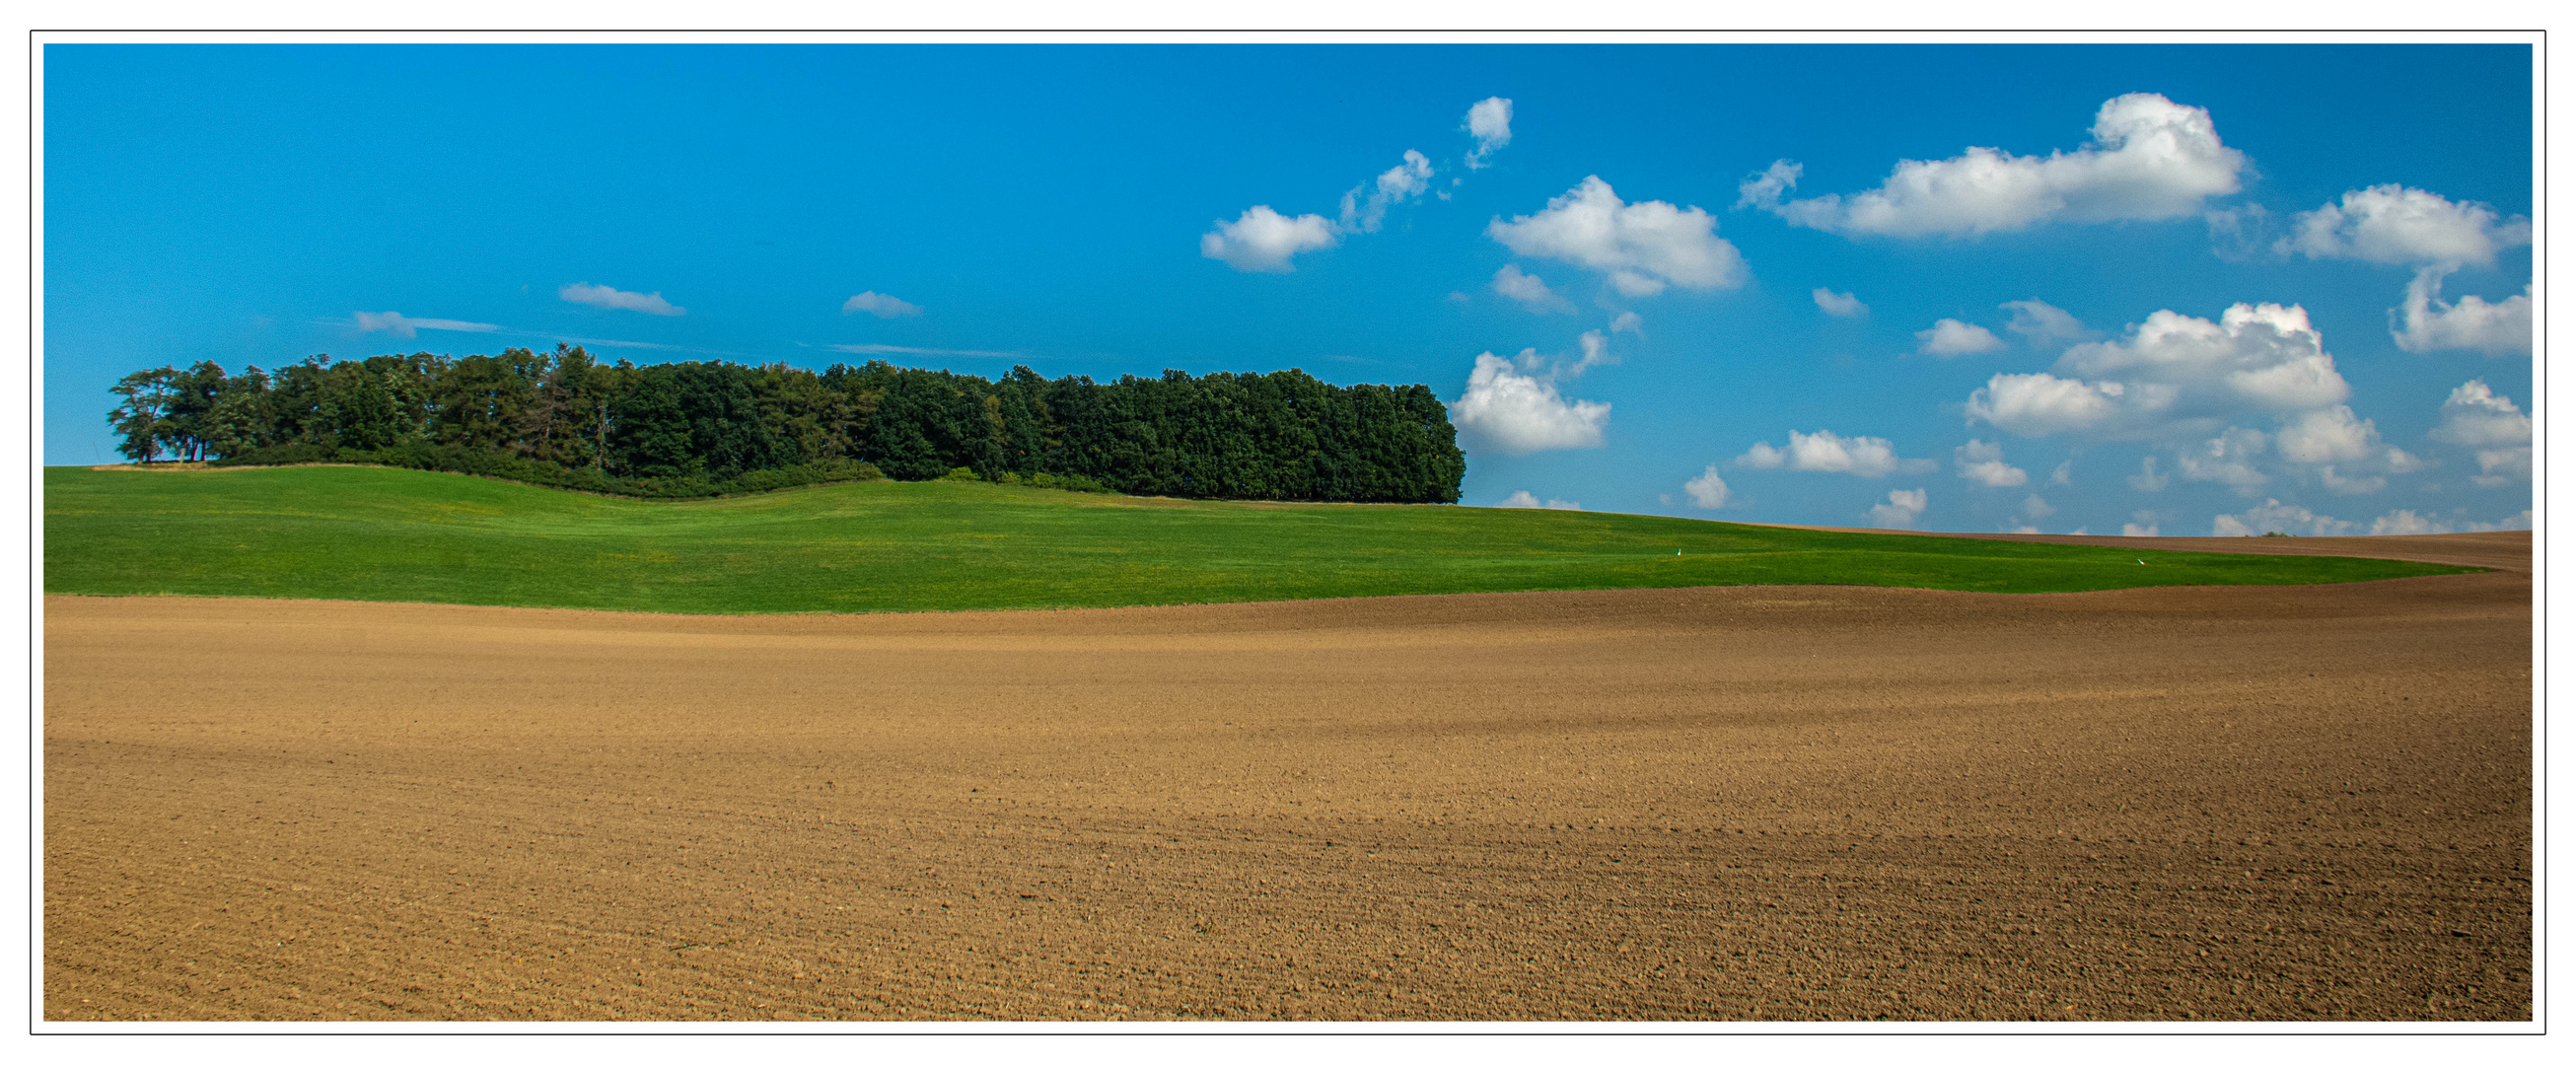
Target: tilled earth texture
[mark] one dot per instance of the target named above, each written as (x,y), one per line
(1769,803)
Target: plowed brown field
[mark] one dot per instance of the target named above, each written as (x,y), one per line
(1769,803)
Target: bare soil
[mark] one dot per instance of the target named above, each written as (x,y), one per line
(1759,803)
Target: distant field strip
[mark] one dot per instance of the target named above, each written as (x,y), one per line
(390,535)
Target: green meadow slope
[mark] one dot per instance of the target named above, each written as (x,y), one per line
(401,535)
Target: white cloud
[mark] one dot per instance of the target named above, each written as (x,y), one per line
(2426,323)
(2147,479)
(2036,508)
(1708,491)
(2345,449)
(1825,452)
(1840,304)
(1765,189)
(2396,224)
(2475,416)
(1523,500)
(1490,122)
(2273,516)
(2513,462)
(1529,290)
(894,349)
(2227,458)
(1983,463)
(393,322)
(2409,523)
(1631,283)
(2037,404)
(1950,338)
(2063,474)
(881,305)
(2518,521)
(612,299)
(2405,523)
(1900,510)
(1596,352)
(1628,322)
(2171,374)
(2330,434)
(1642,246)
(1512,413)
(1407,180)
(1264,240)
(2040,323)
(2150,159)
(2135,529)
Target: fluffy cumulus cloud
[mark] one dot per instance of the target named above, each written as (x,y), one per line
(2172,374)
(2150,159)
(1529,291)
(2475,417)
(1525,501)
(1825,452)
(2395,224)
(1641,246)
(2426,323)
(2329,434)
(603,296)
(2275,516)
(1264,240)
(2142,523)
(879,304)
(1984,463)
(2409,523)
(1840,304)
(393,322)
(2042,324)
(2227,458)
(1490,122)
(1407,180)
(2344,449)
(1950,338)
(1900,510)
(1628,322)
(1511,410)
(1708,491)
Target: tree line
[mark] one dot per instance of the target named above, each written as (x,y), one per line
(705,428)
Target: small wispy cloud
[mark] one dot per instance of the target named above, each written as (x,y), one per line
(599,343)
(891,349)
(613,299)
(1839,304)
(881,305)
(1490,122)
(393,322)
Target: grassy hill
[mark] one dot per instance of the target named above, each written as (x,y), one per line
(402,535)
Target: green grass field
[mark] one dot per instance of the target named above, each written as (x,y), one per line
(407,536)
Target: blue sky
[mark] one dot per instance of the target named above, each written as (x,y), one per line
(1600,225)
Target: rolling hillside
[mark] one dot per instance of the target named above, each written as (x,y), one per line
(392,535)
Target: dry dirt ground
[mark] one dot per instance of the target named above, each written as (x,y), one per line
(1767,803)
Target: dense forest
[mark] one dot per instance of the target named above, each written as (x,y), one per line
(707,428)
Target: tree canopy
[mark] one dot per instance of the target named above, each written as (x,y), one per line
(694,428)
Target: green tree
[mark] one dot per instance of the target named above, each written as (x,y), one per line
(142,415)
